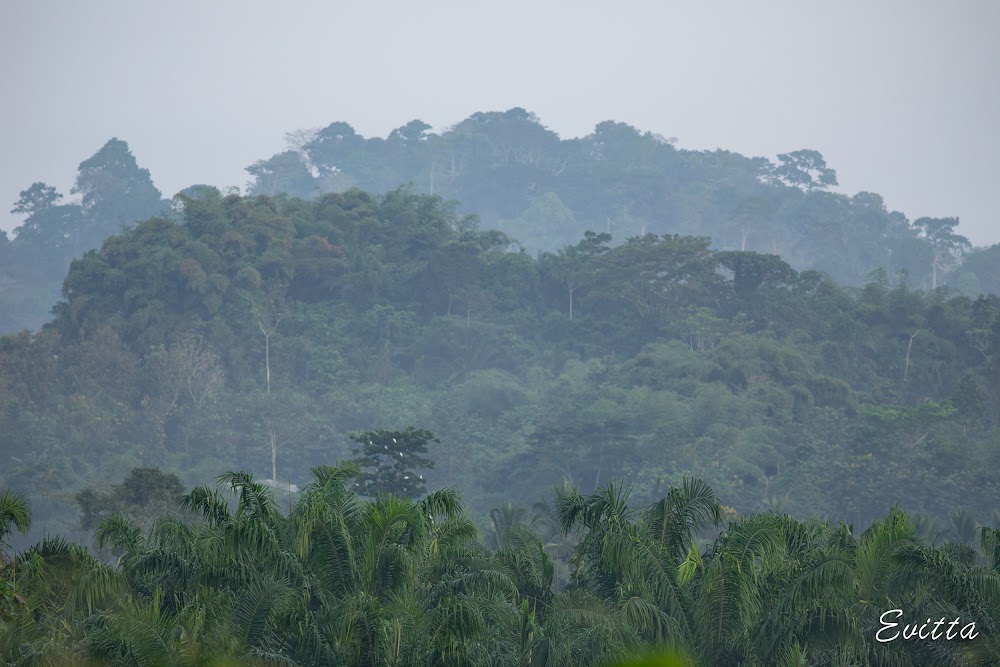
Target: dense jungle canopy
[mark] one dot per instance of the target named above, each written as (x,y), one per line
(262,331)
(523,179)
(340,579)
(585,385)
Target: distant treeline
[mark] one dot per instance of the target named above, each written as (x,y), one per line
(543,191)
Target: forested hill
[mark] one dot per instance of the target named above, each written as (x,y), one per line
(256,333)
(521,178)
(111,191)
(543,191)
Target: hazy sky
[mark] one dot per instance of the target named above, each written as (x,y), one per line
(902,98)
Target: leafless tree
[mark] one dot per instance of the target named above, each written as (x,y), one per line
(188,368)
(273,442)
(269,316)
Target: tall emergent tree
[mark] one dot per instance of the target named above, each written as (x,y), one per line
(803,169)
(948,246)
(115,191)
(143,496)
(573,266)
(390,460)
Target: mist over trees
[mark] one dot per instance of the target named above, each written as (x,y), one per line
(113,192)
(552,402)
(265,330)
(543,191)
(523,179)
(593,579)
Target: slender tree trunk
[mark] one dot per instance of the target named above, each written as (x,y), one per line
(267,349)
(267,340)
(570,289)
(906,367)
(274,448)
(267,360)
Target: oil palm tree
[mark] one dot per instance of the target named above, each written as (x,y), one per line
(15,514)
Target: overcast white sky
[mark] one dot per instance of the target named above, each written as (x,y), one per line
(901,97)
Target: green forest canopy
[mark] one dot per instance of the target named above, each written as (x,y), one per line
(262,331)
(523,179)
(543,191)
(341,579)
(278,334)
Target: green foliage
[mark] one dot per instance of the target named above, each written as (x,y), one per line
(752,271)
(396,456)
(805,169)
(36,199)
(520,177)
(142,496)
(14,515)
(263,330)
(547,221)
(115,192)
(980,271)
(348,580)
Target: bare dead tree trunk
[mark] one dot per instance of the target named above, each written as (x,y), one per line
(906,368)
(272,438)
(267,340)
(267,354)
(981,340)
(571,287)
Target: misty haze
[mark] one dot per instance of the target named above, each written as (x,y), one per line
(594,360)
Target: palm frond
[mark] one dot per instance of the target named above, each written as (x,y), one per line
(326,476)
(445,503)
(15,513)
(683,512)
(256,604)
(209,503)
